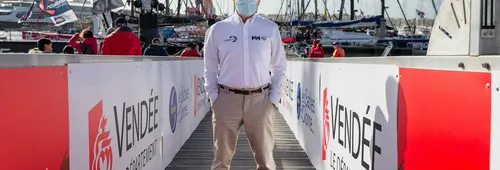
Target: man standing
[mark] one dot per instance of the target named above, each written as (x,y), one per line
(245,47)
(122,41)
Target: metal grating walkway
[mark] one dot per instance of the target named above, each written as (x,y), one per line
(197,152)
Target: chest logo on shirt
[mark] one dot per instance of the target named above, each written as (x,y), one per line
(232,39)
(259,38)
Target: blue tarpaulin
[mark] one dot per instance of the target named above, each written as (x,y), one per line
(300,23)
(363,22)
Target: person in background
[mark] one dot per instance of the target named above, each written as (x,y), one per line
(154,49)
(242,92)
(108,32)
(316,50)
(68,50)
(43,46)
(339,52)
(122,41)
(191,50)
(307,36)
(35,51)
(315,34)
(88,43)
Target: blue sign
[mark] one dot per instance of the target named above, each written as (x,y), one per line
(298,101)
(173,109)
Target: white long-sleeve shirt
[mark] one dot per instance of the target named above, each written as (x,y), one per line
(240,55)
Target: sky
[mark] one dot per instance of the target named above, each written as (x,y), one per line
(371,7)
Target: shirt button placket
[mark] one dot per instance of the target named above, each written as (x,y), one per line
(245,56)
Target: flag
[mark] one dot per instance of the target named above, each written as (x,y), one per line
(101,6)
(420,14)
(58,11)
(28,14)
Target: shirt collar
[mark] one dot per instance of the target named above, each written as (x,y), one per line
(237,18)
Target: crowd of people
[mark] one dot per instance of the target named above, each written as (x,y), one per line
(316,49)
(119,40)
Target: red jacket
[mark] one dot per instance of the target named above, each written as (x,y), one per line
(122,42)
(92,41)
(190,53)
(317,52)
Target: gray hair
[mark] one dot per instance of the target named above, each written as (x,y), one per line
(110,30)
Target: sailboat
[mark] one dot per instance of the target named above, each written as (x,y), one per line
(361,34)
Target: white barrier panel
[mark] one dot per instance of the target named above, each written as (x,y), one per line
(127,112)
(288,106)
(495,121)
(359,106)
(115,115)
(181,81)
(300,106)
(338,124)
(202,106)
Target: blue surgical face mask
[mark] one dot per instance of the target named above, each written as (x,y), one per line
(246,8)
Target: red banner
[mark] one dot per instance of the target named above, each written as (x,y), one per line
(35,119)
(443,120)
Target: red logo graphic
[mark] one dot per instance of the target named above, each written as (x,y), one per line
(42,8)
(100,151)
(326,125)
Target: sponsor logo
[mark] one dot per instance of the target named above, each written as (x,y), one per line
(305,107)
(283,96)
(259,38)
(195,96)
(298,101)
(100,150)
(178,107)
(326,125)
(289,92)
(41,5)
(417,44)
(172,114)
(350,131)
(231,39)
(199,94)
(59,20)
(56,4)
(133,123)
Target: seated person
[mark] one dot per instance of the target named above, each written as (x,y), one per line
(191,51)
(68,50)
(155,49)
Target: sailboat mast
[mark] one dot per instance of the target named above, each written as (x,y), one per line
(179,3)
(434,6)
(341,13)
(383,8)
(298,7)
(327,13)
(167,9)
(404,16)
(353,14)
(315,10)
(389,17)
(303,7)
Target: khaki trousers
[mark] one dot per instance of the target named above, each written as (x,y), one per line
(256,112)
